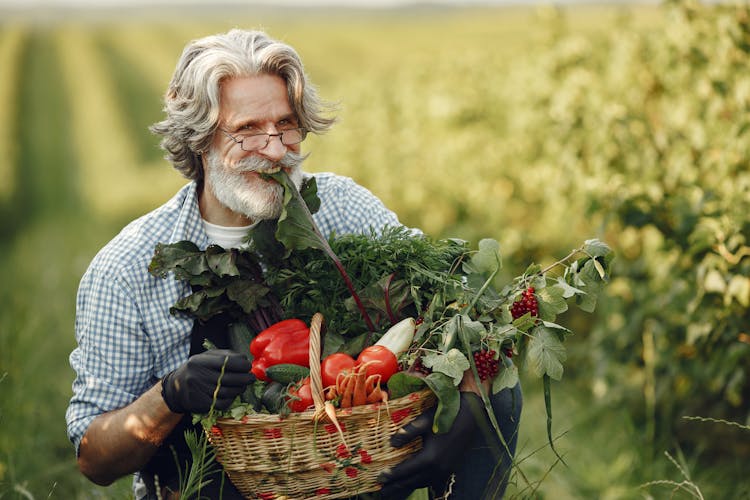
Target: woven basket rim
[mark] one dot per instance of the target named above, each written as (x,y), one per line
(310,414)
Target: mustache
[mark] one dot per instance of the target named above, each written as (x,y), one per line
(290,161)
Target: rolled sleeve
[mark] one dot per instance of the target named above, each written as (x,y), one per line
(113,361)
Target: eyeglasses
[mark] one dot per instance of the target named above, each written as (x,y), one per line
(254,142)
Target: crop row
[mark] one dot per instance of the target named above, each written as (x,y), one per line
(11,43)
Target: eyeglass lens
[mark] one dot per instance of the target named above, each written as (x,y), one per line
(260,141)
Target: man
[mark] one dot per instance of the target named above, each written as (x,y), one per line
(239,105)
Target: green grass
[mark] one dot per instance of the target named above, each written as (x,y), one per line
(41,268)
(609,457)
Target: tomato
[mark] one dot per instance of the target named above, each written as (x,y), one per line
(300,396)
(380,361)
(334,364)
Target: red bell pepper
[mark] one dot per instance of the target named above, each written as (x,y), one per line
(287,341)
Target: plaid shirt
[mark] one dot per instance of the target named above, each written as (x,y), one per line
(127,339)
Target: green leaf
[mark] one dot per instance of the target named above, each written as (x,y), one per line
(386,297)
(500,332)
(453,364)
(448,401)
(506,378)
(401,383)
(551,302)
(450,333)
(546,353)
(309,192)
(599,269)
(590,282)
(532,269)
(263,241)
(596,248)
(221,262)
(525,322)
(333,342)
(246,294)
(202,304)
(568,291)
(183,258)
(470,330)
(714,282)
(487,259)
(295,228)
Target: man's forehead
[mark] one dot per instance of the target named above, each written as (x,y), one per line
(251,99)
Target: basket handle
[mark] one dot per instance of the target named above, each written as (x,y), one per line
(316,380)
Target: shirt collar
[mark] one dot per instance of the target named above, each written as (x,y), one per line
(189,225)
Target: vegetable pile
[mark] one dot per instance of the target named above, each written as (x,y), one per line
(403,312)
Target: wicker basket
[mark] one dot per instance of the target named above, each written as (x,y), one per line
(304,456)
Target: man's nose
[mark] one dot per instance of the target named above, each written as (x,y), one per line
(274,150)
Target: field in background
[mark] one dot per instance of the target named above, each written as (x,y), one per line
(466,122)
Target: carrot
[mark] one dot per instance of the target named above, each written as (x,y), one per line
(372,382)
(331,413)
(346,397)
(330,393)
(372,388)
(374,396)
(384,399)
(341,380)
(359,395)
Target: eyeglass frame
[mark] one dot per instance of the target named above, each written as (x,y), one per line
(303,132)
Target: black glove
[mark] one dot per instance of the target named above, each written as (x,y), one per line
(440,454)
(191,387)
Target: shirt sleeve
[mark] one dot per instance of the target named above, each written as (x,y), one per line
(346,207)
(113,360)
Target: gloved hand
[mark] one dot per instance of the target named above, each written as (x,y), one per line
(190,388)
(440,454)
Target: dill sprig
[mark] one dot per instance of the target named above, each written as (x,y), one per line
(396,265)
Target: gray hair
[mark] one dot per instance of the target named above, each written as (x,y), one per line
(191,102)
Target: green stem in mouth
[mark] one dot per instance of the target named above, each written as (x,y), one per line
(297,229)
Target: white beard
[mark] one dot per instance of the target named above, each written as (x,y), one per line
(251,196)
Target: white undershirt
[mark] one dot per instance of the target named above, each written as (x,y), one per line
(226,236)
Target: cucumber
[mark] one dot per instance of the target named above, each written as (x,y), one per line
(287,373)
(248,396)
(239,339)
(273,396)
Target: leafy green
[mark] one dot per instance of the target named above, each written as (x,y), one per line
(222,281)
(402,383)
(453,364)
(487,259)
(507,377)
(546,353)
(448,401)
(413,269)
(551,302)
(296,229)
